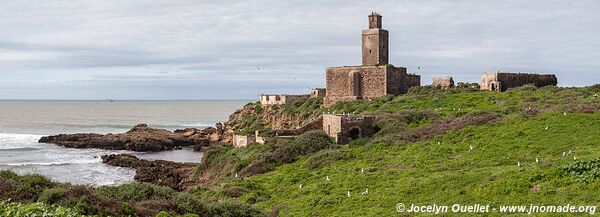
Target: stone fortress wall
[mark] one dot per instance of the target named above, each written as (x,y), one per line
(501,81)
(443,82)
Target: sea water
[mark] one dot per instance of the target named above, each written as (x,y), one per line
(22,123)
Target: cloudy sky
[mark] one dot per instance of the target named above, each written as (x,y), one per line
(194,49)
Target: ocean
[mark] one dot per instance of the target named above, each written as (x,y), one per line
(22,123)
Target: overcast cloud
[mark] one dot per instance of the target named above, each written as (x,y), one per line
(191,49)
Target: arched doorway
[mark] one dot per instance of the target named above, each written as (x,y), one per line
(354,133)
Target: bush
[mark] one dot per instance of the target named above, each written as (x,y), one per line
(190,204)
(583,171)
(27,187)
(235,209)
(34,209)
(51,195)
(305,144)
(135,192)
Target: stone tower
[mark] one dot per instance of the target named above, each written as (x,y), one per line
(374,42)
(375,77)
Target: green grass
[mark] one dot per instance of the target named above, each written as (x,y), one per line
(426,173)
(419,156)
(442,170)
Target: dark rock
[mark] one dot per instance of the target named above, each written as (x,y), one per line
(159,172)
(139,138)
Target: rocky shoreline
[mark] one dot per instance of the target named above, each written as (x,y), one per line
(159,172)
(140,138)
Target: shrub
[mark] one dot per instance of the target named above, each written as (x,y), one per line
(27,187)
(128,209)
(135,192)
(234,209)
(307,143)
(34,209)
(583,171)
(51,195)
(190,204)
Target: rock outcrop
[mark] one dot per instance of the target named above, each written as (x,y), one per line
(139,138)
(160,172)
(274,116)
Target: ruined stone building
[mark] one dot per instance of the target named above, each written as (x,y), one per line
(344,128)
(317,92)
(375,77)
(280,99)
(443,82)
(501,81)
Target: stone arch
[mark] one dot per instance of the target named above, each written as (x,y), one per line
(354,132)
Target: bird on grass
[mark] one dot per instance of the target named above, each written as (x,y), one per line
(365,192)
(470,148)
(236,175)
(564,113)
(327,178)
(546,127)
(300,185)
(537,160)
(349,194)
(519,164)
(575,158)
(362,170)
(564,154)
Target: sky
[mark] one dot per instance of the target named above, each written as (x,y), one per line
(195,49)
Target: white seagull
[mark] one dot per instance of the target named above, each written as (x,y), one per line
(575,158)
(537,160)
(546,127)
(470,148)
(519,163)
(349,193)
(564,154)
(327,178)
(300,185)
(362,170)
(366,192)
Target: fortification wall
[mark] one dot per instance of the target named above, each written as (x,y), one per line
(353,83)
(411,80)
(503,81)
(443,82)
(274,99)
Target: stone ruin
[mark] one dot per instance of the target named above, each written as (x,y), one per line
(375,78)
(344,128)
(317,92)
(443,82)
(501,81)
(280,99)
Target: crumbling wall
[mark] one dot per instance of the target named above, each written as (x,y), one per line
(367,82)
(353,83)
(242,140)
(443,82)
(317,92)
(343,127)
(503,81)
(411,80)
(275,99)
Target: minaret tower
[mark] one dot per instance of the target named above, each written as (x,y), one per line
(374,42)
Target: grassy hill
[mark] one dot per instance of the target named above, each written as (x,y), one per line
(422,156)
(444,147)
